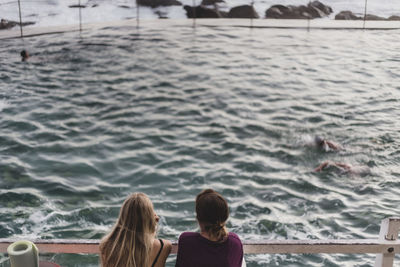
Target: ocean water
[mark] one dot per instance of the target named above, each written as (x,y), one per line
(168,109)
(56,12)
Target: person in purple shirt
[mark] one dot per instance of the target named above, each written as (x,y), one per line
(214,246)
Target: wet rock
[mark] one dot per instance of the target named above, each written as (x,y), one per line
(373,17)
(243,12)
(76,6)
(347,15)
(223,14)
(211,2)
(313,10)
(394,18)
(157,3)
(8,24)
(276,11)
(287,12)
(161,15)
(321,7)
(201,12)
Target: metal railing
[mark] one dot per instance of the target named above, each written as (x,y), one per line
(386,246)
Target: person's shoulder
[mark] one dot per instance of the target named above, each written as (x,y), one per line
(234,237)
(185,236)
(188,235)
(167,243)
(167,246)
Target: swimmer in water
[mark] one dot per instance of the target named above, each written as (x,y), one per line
(326,145)
(24,55)
(342,168)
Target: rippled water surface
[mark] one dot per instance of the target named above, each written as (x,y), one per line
(169,110)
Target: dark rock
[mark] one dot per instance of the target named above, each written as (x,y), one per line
(124,6)
(313,10)
(276,11)
(211,2)
(394,18)
(5,24)
(347,15)
(301,12)
(201,12)
(321,7)
(373,17)
(157,3)
(8,24)
(223,14)
(243,12)
(76,6)
(95,5)
(161,15)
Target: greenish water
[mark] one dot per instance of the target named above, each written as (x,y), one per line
(170,110)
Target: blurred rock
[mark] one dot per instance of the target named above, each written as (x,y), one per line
(201,12)
(161,15)
(313,10)
(243,12)
(394,18)
(374,17)
(76,6)
(157,3)
(327,10)
(347,15)
(211,2)
(8,24)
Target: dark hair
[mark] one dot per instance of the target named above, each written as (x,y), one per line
(212,210)
(319,140)
(23,53)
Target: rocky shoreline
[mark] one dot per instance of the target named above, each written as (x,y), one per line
(8,24)
(315,9)
(211,9)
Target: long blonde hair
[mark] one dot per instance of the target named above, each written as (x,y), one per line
(131,239)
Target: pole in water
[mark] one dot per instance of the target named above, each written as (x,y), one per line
(20,18)
(194,14)
(251,19)
(80,16)
(308,19)
(365,13)
(137,13)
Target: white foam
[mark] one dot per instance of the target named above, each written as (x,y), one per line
(3,104)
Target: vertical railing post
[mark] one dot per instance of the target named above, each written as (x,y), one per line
(137,14)
(251,18)
(80,16)
(308,19)
(20,18)
(194,13)
(389,232)
(365,13)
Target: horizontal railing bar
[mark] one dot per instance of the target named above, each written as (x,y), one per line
(349,246)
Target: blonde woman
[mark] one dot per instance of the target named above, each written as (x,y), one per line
(132,241)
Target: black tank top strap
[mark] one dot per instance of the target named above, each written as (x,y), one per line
(159,252)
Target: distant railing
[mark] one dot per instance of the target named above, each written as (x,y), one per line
(80,6)
(386,246)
